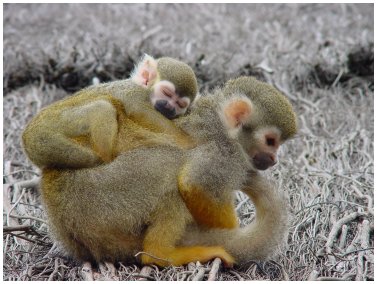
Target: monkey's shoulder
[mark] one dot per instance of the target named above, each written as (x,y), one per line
(215,162)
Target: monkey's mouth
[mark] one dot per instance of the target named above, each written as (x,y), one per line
(262,161)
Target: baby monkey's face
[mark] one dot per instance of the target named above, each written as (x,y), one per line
(167,101)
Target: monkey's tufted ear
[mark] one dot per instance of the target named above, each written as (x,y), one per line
(145,72)
(235,112)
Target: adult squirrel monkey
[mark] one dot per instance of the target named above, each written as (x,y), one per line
(82,130)
(258,123)
(151,198)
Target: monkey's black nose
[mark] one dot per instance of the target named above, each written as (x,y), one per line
(162,107)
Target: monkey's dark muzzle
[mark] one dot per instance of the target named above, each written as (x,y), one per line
(262,161)
(165,109)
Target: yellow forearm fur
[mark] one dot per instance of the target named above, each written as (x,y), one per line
(204,209)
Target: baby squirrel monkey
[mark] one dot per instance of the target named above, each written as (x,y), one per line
(145,210)
(82,130)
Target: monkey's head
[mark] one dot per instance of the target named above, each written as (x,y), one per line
(172,84)
(259,117)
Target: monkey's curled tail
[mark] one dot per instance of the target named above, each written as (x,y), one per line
(258,240)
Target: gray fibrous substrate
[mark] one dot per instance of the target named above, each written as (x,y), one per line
(319,55)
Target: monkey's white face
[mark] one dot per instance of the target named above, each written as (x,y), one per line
(266,145)
(165,99)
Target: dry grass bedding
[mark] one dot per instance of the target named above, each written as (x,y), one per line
(320,56)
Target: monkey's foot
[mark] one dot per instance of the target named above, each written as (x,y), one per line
(184,255)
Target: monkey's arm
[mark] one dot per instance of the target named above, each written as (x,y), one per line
(206,211)
(161,237)
(206,208)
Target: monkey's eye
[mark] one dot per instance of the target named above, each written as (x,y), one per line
(166,92)
(182,104)
(270,141)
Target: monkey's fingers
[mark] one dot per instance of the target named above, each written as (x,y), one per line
(186,255)
(227,260)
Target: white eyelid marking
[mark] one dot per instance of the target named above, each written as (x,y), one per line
(261,133)
(167,84)
(183,110)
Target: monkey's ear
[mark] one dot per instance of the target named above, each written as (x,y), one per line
(145,72)
(236,112)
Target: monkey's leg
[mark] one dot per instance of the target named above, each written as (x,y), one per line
(98,120)
(160,239)
(205,209)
